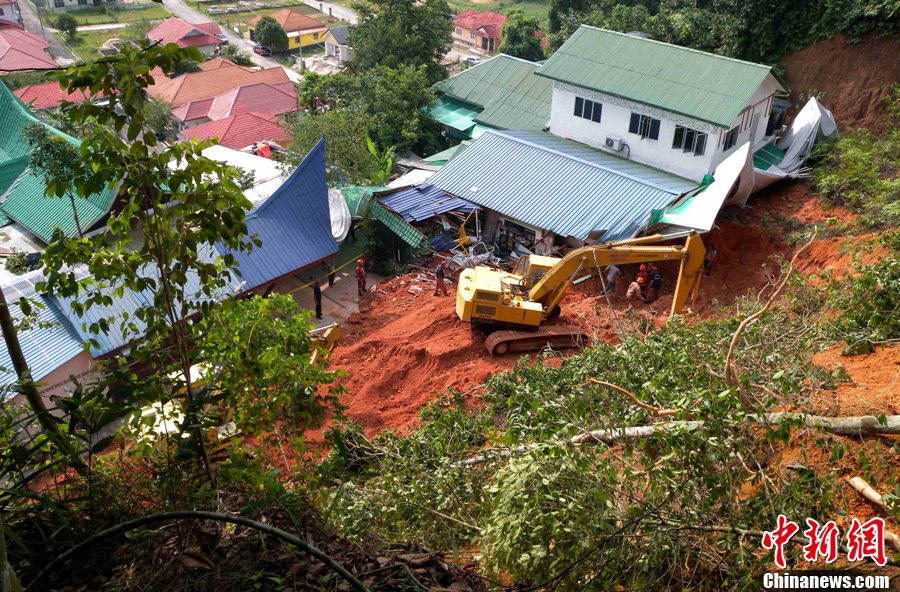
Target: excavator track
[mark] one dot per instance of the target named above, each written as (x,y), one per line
(558,336)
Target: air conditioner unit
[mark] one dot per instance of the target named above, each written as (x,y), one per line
(614,143)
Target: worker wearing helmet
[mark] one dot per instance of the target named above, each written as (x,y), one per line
(360,277)
(643,279)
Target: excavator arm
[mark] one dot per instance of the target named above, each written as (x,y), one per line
(550,289)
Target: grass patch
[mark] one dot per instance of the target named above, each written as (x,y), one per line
(533,8)
(93,16)
(86,43)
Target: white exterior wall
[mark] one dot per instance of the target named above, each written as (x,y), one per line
(65,5)
(10,13)
(616,117)
(757,109)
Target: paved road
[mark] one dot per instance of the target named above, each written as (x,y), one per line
(32,22)
(334,10)
(180,9)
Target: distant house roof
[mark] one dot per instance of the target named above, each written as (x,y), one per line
(21,50)
(294,225)
(504,92)
(340,34)
(291,21)
(23,189)
(183,34)
(47,343)
(217,64)
(558,185)
(261,97)
(48,95)
(693,83)
(491,23)
(206,85)
(240,131)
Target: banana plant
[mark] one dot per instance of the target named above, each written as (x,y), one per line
(384,162)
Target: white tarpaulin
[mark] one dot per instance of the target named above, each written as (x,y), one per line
(340,214)
(813,122)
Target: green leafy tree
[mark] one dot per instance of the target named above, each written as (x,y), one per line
(57,160)
(67,24)
(346,154)
(269,33)
(186,66)
(384,162)
(235,55)
(519,38)
(158,117)
(397,33)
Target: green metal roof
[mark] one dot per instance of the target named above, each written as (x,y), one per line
(479,84)
(693,83)
(454,114)
(767,156)
(26,201)
(358,197)
(444,155)
(396,224)
(526,106)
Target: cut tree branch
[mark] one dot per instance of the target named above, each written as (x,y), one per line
(852,426)
(654,411)
(200,515)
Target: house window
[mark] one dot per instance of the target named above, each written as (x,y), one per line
(1,12)
(689,140)
(82,2)
(58,3)
(458,31)
(588,109)
(644,125)
(315,35)
(471,35)
(731,138)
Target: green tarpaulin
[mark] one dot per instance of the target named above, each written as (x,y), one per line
(454,114)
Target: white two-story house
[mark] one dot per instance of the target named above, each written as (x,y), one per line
(676,109)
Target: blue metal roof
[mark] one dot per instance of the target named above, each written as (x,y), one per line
(423,202)
(294,225)
(50,342)
(558,185)
(124,326)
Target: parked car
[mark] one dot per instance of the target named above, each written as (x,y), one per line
(215,10)
(222,38)
(232,9)
(472,61)
(263,51)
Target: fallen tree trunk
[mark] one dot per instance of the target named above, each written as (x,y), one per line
(864,425)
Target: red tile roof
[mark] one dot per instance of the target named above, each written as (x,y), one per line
(174,30)
(239,131)
(217,64)
(473,20)
(271,99)
(48,95)
(21,50)
(291,21)
(206,85)
(193,110)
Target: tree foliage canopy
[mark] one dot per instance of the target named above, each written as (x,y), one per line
(268,33)
(396,33)
(519,38)
(67,24)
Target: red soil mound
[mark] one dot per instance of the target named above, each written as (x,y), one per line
(873,386)
(854,77)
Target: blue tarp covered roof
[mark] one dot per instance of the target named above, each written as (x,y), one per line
(294,225)
(559,185)
(423,202)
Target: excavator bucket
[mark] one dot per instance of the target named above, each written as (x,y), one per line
(690,275)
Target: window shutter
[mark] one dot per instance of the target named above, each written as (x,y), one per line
(689,136)
(579,105)
(701,145)
(654,129)
(635,125)
(598,110)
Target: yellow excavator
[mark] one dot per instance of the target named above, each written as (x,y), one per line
(531,293)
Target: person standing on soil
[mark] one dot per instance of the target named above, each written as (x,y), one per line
(360,277)
(643,279)
(655,283)
(439,285)
(634,292)
(709,258)
(317,296)
(612,274)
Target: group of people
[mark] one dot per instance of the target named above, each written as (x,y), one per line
(360,284)
(645,285)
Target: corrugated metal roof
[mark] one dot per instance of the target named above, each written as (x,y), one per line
(294,225)
(25,201)
(444,155)
(558,185)
(423,202)
(124,326)
(50,341)
(697,84)
(523,107)
(453,113)
(358,197)
(396,224)
(479,84)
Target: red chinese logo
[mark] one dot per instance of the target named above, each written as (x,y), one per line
(866,540)
(777,538)
(823,541)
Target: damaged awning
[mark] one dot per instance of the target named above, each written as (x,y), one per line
(415,204)
(454,114)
